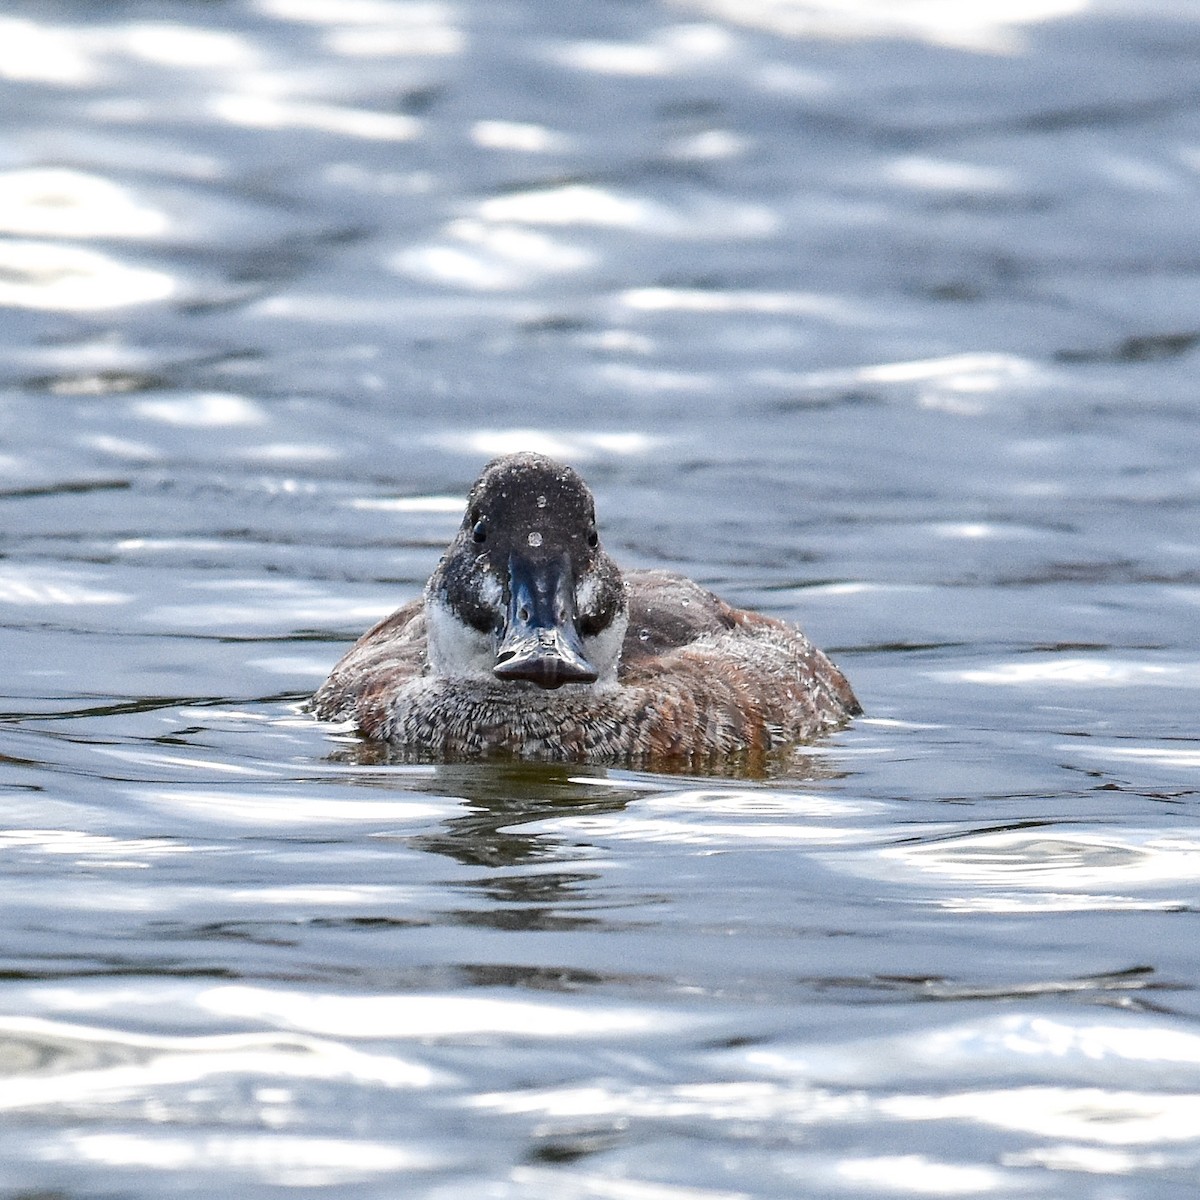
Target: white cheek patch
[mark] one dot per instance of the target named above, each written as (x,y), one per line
(586,593)
(490,592)
(604,650)
(455,648)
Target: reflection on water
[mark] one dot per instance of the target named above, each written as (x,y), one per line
(274,1160)
(498,803)
(45,275)
(71,204)
(878,317)
(990,27)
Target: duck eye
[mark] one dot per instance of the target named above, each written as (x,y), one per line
(593,538)
(479,533)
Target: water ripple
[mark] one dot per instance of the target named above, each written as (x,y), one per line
(1045,868)
(434,1015)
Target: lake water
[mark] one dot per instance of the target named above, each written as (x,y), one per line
(880,317)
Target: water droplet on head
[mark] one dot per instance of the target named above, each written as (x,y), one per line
(535,538)
(685,603)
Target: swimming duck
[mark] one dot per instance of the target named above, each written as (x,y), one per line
(530,643)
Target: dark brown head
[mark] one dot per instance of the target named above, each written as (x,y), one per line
(525,592)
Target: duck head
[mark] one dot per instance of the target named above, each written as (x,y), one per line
(525,593)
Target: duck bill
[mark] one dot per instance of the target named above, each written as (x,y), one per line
(540,641)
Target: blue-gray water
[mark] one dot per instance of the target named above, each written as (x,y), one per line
(881,317)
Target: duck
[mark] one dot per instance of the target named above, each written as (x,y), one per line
(530,643)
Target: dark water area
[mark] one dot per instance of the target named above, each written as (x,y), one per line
(882,318)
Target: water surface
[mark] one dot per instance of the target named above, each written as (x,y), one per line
(880,318)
